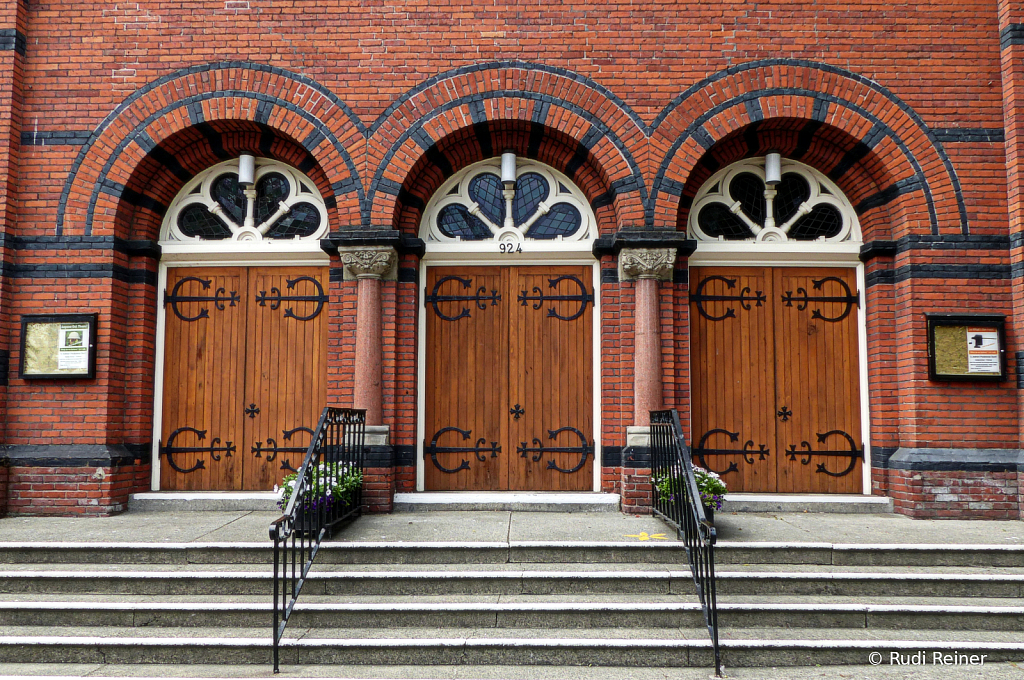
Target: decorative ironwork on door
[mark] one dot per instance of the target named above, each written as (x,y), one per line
(480,298)
(849,298)
(700,451)
(218,298)
(432,449)
(585,449)
(276,298)
(744,298)
(169,450)
(539,298)
(854,454)
(272,449)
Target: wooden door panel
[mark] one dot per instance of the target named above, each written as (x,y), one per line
(203,377)
(732,375)
(818,380)
(467,379)
(550,378)
(285,387)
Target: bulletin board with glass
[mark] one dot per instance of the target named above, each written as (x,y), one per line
(966,347)
(58,346)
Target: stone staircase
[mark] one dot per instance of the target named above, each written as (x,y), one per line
(606,604)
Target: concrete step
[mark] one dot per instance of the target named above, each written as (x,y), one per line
(541,615)
(506,501)
(519,552)
(519,582)
(635,650)
(990,671)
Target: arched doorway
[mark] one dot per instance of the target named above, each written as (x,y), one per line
(776,315)
(241,327)
(508,332)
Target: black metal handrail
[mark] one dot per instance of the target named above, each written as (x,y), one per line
(677,501)
(335,453)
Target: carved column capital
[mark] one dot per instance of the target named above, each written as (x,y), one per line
(647,263)
(368,262)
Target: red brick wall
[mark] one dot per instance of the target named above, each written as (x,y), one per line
(378,103)
(637,496)
(951,494)
(378,489)
(3,489)
(66,491)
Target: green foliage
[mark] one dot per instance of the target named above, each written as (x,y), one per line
(328,483)
(709,484)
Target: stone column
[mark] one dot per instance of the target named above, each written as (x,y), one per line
(647,266)
(368,264)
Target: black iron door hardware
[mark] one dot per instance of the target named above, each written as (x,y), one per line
(169,450)
(700,451)
(802,298)
(744,298)
(853,454)
(480,298)
(251,410)
(432,449)
(584,449)
(218,299)
(539,298)
(784,413)
(517,412)
(272,449)
(276,298)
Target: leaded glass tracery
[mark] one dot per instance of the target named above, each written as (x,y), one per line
(474,205)
(214,206)
(736,204)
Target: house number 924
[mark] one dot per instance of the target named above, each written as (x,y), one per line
(509,248)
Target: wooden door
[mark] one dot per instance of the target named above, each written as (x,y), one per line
(509,360)
(817,381)
(733,383)
(551,362)
(201,439)
(286,378)
(244,374)
(466,429)
(775,377)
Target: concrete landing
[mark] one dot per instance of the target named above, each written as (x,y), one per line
(505,501)
(732,528)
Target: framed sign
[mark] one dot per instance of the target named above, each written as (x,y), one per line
(58,346)
(966,347)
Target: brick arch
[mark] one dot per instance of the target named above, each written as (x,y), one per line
(292,105)
(823,147)
(161,174)
(603,131)
(467,146)
(881,124)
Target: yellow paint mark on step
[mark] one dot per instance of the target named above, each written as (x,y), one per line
(644,536)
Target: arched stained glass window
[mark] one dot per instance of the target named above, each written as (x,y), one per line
(475,205)
(736,204)
(280,204)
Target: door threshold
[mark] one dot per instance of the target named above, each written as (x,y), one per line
(507,501)
(204,501)
(826,503)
